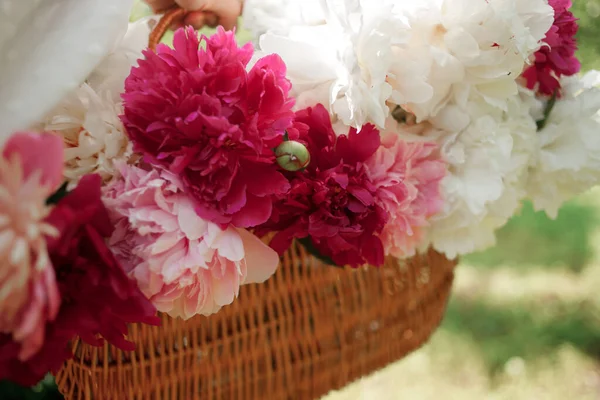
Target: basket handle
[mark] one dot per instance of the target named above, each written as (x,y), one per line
(163,25)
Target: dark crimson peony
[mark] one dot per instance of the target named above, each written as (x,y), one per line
(556,57)
(98,300)
(49,358)
(198,113)
(332,201)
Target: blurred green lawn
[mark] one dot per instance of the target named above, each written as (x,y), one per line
(548,261)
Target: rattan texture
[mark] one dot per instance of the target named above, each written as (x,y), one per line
(310,329)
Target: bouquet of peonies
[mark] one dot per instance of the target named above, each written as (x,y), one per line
(361,129)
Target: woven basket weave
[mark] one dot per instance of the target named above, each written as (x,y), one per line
(308,330)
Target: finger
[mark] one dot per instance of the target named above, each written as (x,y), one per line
(199,19)
(228,11)
(211,19)
(160,5)
(193,4)
(177,25)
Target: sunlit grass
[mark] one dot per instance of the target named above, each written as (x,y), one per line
(529,332)
(533,239)
(588,12)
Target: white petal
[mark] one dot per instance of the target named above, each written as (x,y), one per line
(111,73)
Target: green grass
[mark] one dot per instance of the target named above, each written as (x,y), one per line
(532,239)
(588,12)
(517,330)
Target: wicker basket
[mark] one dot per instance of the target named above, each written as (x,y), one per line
(308,330)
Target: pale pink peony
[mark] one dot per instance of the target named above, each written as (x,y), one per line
(407,177)
(185,265)
(30,171)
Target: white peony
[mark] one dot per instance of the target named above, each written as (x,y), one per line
(262,16)
(93,134)
(523,129)
(342,64)
(469,46)
(488,164)
(110,74)
(88,117)
(567,161)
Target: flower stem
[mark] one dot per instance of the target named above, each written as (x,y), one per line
(542,123)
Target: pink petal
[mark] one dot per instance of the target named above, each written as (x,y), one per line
(190,223)
(229,245)
(38,152)
(261,260)
(226,288)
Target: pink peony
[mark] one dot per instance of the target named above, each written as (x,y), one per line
(30,171)
(198,113)
(407,177)
(556,57)
(184,264)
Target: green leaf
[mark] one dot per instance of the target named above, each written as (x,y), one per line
(58,195)
(309,246)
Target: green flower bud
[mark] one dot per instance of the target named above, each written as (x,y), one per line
(292,155)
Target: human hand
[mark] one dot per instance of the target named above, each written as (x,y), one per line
(203,12)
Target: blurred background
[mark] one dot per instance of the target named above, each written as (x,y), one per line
(524,318)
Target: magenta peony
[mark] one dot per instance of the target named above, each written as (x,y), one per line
(407,177)
(198,113)
(556,57)
(333,202)
(184,264)
(30,171)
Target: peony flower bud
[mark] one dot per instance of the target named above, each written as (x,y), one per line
(292,155)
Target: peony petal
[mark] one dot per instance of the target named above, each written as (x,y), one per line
(38,152)
(37,40)
(358,146)
(110,74)
(226,287)
(261,260)
(264,180)
(229,244)
(257,211)
(190,223)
